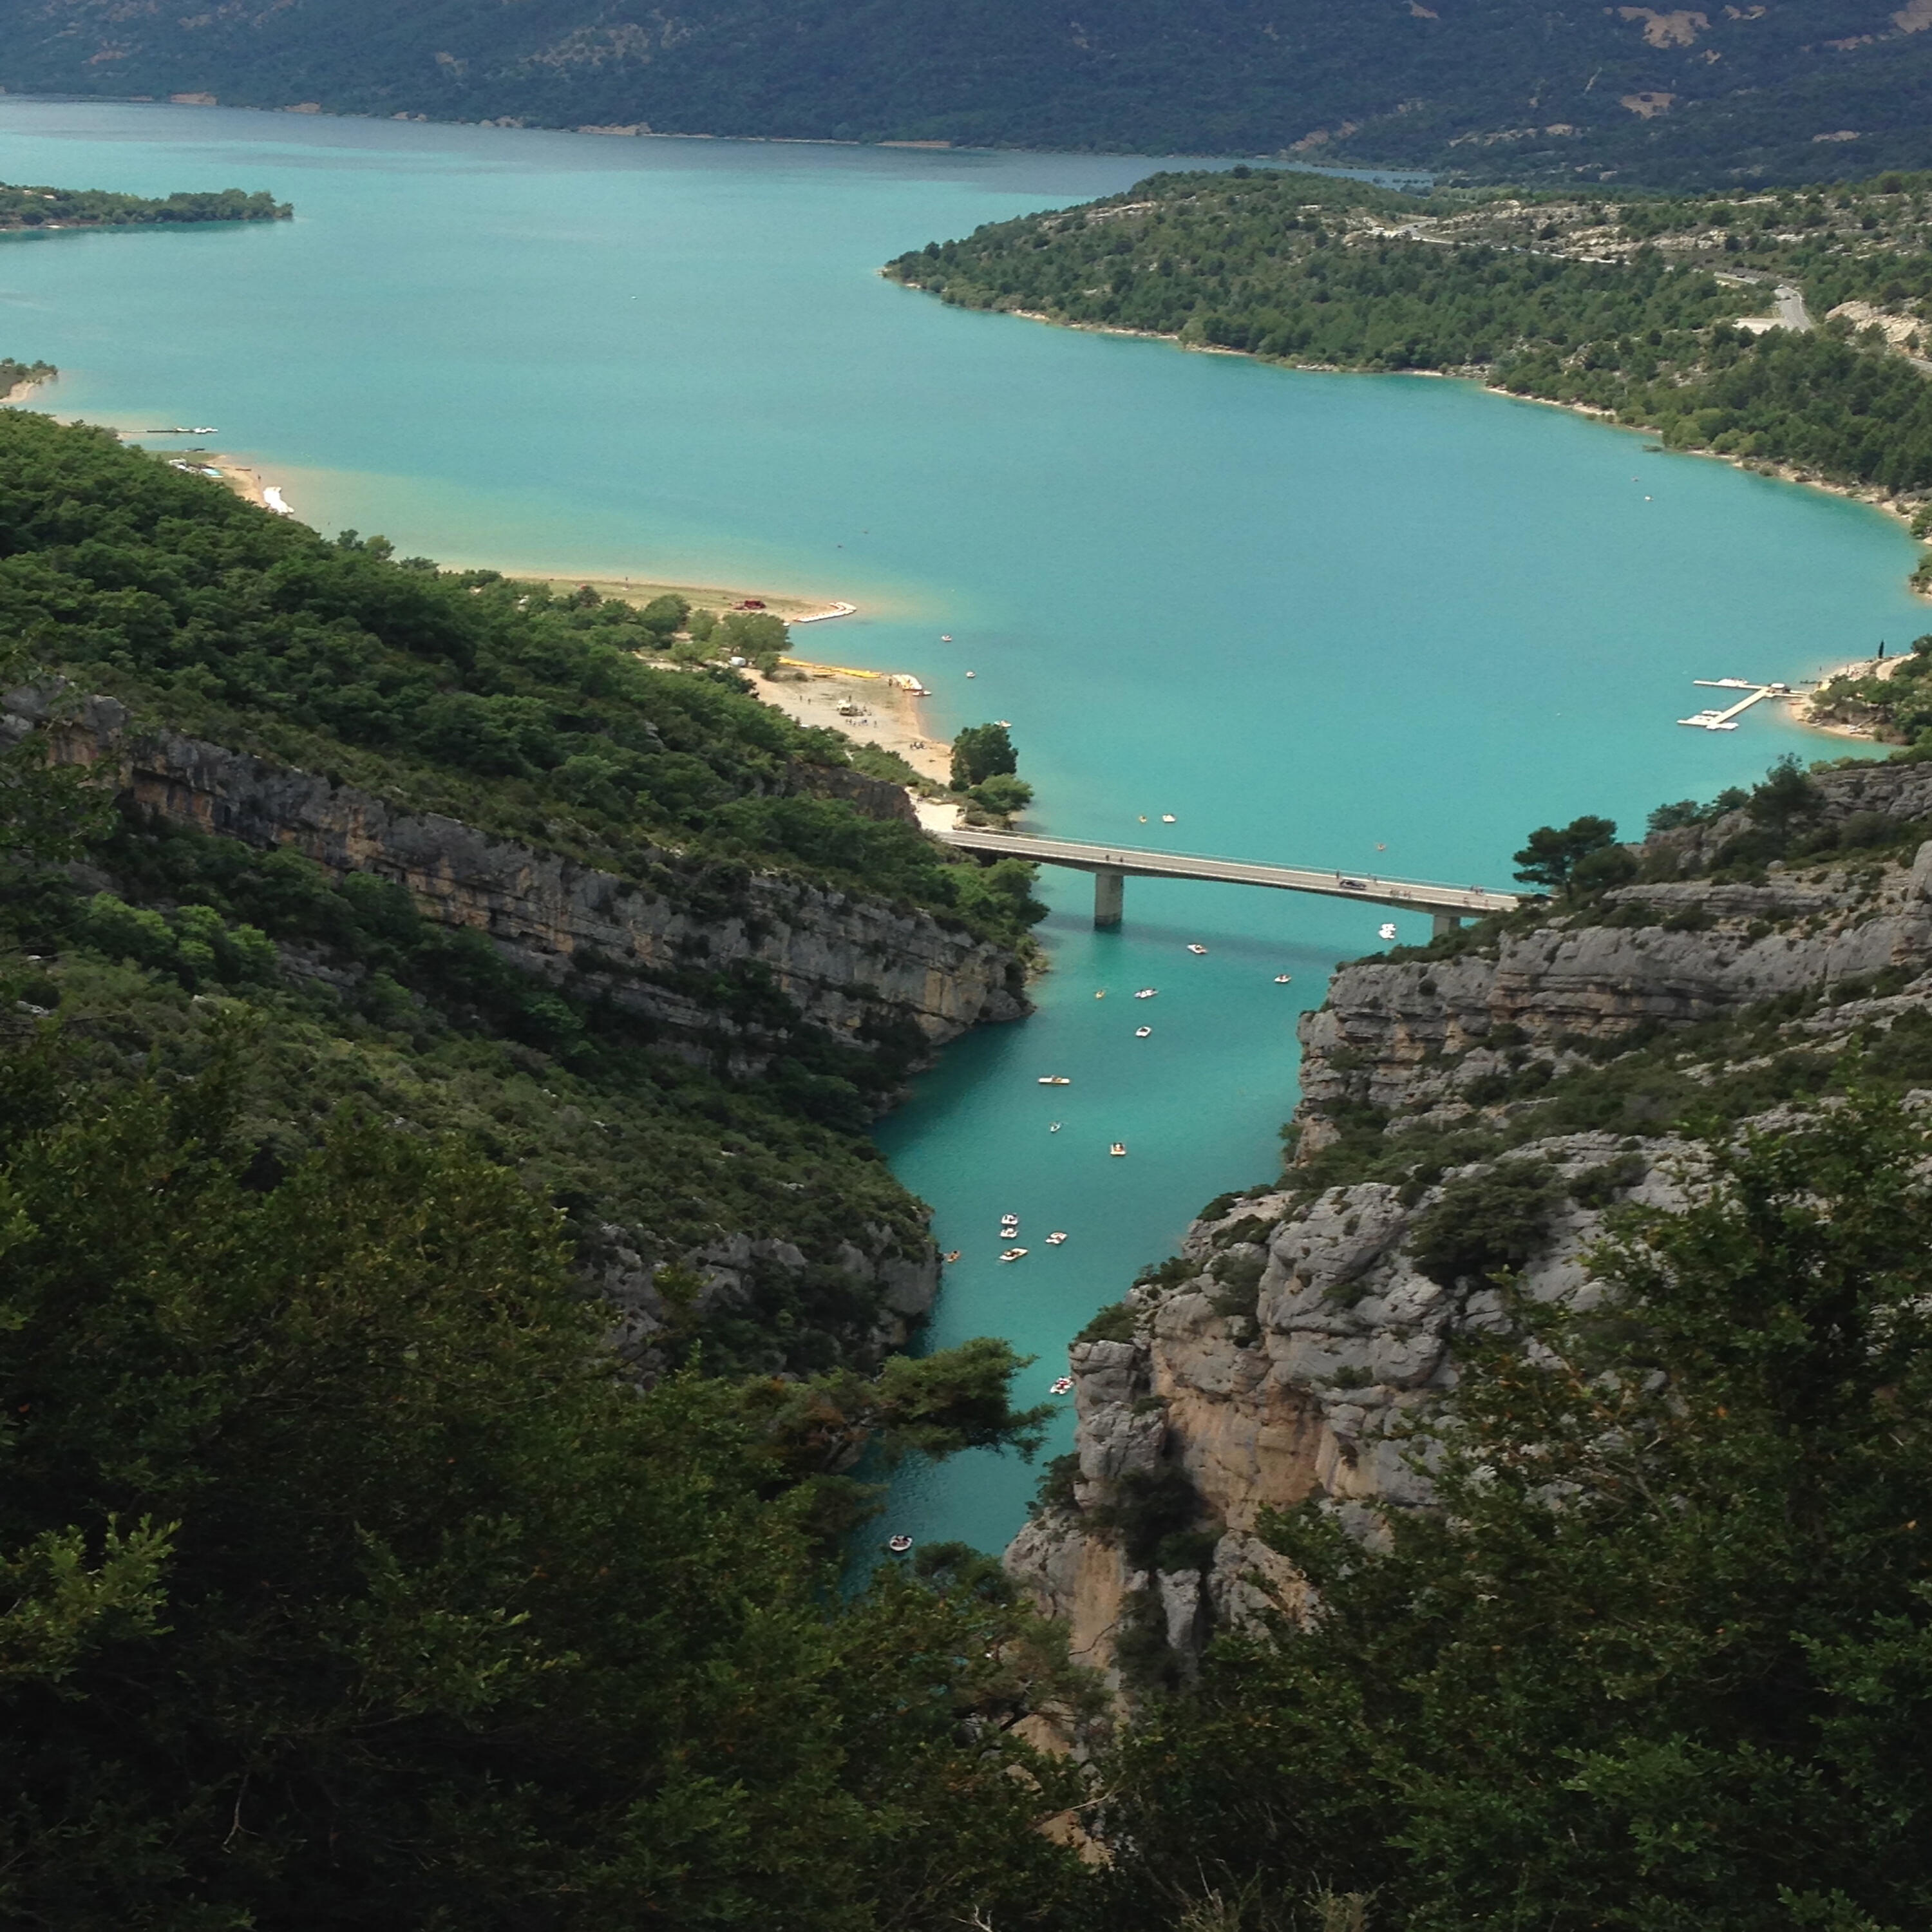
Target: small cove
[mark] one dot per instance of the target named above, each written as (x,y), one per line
(1382,623)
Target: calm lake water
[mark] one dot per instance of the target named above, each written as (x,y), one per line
(1380,623)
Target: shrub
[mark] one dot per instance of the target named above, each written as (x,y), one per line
(1485,1224)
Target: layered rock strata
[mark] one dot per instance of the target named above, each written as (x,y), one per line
(719,958)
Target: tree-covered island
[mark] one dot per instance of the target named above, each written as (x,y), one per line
(42,210)
(44,207)
(1781,326)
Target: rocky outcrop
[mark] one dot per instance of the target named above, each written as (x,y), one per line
(1407,1036)
(1284,1355)
(728,1273)
(719,958)
(1287,1352)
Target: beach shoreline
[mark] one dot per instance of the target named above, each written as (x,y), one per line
(21,392)
(1797,707)
(868,707)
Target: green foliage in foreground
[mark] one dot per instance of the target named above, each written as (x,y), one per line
(347,1583)
(1665,1659)
(1317,274)
(641,1150)
(95,208)
(518,712)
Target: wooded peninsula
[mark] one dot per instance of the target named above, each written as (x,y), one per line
(1662,312)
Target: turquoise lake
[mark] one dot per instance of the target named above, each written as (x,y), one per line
(1376,623)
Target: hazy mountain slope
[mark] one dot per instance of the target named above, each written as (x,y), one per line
(1479,83)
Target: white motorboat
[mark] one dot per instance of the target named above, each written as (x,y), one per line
(1141,1033)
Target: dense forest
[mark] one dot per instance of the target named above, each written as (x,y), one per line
(1629,307)
(95,208)
(351,1575)
(519,713)
(1486,88)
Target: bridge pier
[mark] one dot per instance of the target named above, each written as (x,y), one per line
(1109,895)
(1442,922)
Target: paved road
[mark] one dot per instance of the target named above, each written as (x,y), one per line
(1412,895)
(1791,310)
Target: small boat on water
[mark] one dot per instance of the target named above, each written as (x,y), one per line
(972,674)
(1056,1127)
(1386,930)
(1167,818)
(1054,1080)
(1147,992)
(1141,1033)
(1118,1148)
(1053,1240)
(1197,948)
(1284,979)
(1013,1255)
(899,1544)
(1101,993)
(1064,1386)
(945,637)
(1004,724)
(952,1254)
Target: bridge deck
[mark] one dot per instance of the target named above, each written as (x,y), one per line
(1414,896)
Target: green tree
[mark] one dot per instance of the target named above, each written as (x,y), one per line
(1787,796)
(1663,1656)
(1002,793)
(665,615)
(982,751)
(756,636)
(1551,856)
(347,1582)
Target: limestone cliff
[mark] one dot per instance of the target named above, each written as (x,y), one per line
(1282,1353)
(692,947)
(726,965)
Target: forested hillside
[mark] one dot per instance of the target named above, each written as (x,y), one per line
(533,719)
(1490,88)
(1629,306)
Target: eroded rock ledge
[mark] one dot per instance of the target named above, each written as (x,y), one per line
(690,950)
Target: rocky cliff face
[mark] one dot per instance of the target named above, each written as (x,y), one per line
(1283,1353)
(693,950)
(727,965)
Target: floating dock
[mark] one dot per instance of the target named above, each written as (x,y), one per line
(1715,720)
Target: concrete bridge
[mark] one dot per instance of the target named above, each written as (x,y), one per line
(1113,865)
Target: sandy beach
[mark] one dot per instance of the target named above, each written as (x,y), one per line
(1798,709)
(881,713)
(640,590)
